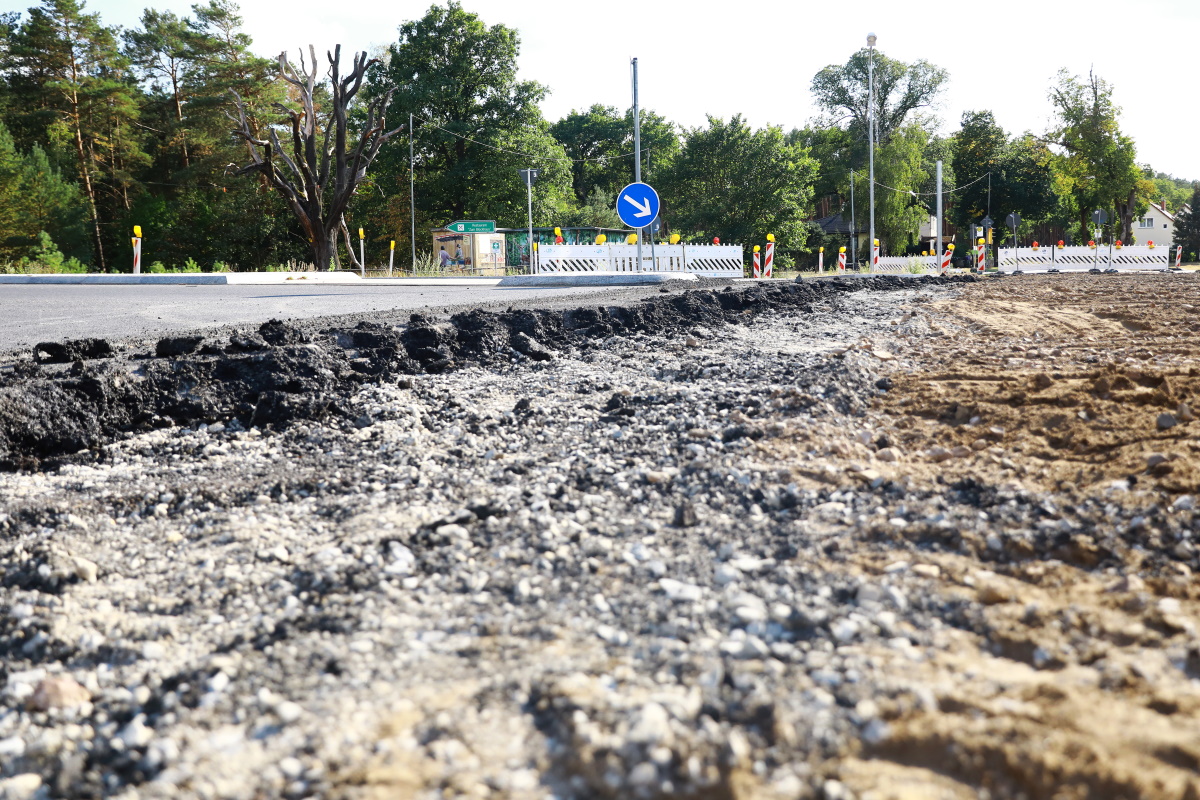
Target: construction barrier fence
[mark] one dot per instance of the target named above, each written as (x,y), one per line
(1082,259)
(709,260)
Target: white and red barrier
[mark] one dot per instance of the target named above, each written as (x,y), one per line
(1178,255)
(769,259)
(841,268)
(1083,258)
(946,259)
(821,260)
(875,256)
(757,263)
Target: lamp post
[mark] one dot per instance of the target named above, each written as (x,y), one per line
(871,130)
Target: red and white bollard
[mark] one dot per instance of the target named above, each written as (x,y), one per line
(1178,255)
(757,263)
(946,258)
(769,261)
(841,261)
(821,260)
(137,249)
(979,258)
(875,257)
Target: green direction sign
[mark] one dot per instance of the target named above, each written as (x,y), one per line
(472,226)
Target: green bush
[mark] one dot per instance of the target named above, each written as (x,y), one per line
(44,258)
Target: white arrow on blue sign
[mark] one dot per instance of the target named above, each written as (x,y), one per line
(637,205)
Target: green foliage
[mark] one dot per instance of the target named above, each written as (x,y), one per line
(1022,176)
(43,257)
(34,197)
(1099,166)
(598,212)
(74,90)
(900,89)
(1171,191)
(1187,227)
(900,163)
(600,144)
(903,168)
(739,184)
(475,126)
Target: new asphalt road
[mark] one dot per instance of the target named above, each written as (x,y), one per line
(30,314)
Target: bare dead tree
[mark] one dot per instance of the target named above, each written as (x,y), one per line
(325,167)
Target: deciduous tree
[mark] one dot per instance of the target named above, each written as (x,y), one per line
(1099,162)
(328,159)
(900,89)
(740,184)
(475,124)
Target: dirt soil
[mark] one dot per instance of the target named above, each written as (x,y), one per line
(1074,680)
(883,539)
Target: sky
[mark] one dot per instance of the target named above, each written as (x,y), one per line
(757,57)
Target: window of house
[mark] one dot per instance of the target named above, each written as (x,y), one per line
(1146,222)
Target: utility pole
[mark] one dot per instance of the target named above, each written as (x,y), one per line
(637,151)
(529,199)
(871,138)
(412,194)
(939,209)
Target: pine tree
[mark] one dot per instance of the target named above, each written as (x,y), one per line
(1187,228)
(72,83)
(35,198)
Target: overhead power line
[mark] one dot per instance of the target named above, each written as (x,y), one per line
(534,158)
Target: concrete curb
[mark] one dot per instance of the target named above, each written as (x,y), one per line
(241,279)
(593,279)
(189,278)
(432,281)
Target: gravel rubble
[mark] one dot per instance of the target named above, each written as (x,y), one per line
(671,548)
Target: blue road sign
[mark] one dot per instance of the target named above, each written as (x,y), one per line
(637,205)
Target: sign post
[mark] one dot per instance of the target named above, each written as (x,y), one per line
(1014,220)
(1099,216)
(528,176)
(638,206)
(475,225)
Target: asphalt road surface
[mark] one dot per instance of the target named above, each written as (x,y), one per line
(31,314)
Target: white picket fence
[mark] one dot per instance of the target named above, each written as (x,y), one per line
(710,260)
(1081,259)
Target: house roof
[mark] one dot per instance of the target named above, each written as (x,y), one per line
(835,223)
(1163,211)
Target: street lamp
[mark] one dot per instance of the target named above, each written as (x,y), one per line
(871,138)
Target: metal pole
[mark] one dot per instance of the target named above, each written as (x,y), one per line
(853,223)
(529,197)
(637,152)
(939,207)
(412,194)
(871,135)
